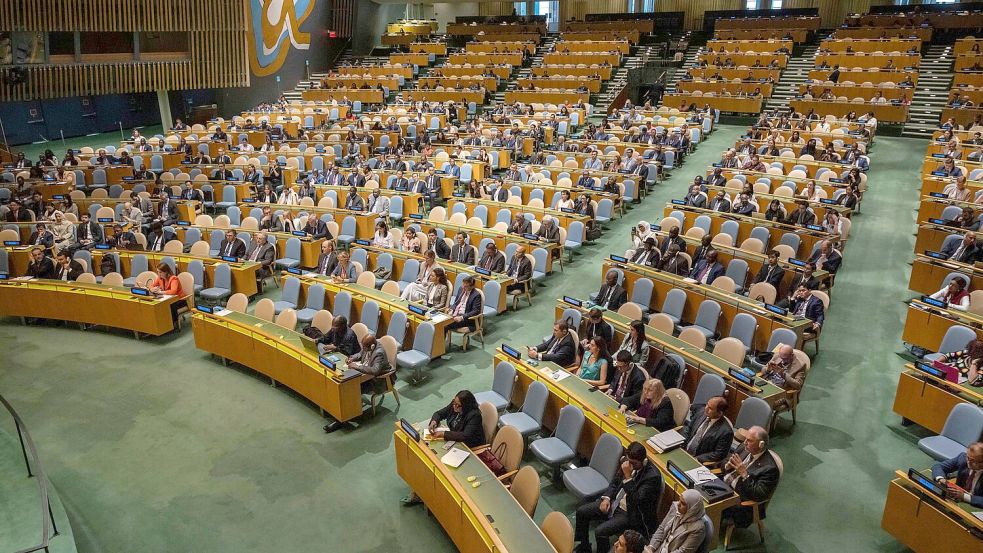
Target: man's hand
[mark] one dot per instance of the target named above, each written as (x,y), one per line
(816,326)
(626,468)
(605,505)
(954,493)
(458,319)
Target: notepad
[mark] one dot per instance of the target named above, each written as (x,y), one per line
(222,312)
(427,435)
(454,458)
(439,318)
(978,514)
(664,441)
(555,375)
(701,474)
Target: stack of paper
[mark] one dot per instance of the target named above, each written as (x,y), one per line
(665,441)
(455,457)
(701,474)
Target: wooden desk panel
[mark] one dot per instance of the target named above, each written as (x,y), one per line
(759,46)
(545,96)
(927,401)
(771,22)
(366,96)
(871,45)
(797,36)
(855,91)
(355,81)
(745,59)
(731,104)
(501,46)
(500,71)
(883,112)
(927,274)
(377,70)
(923,522)
(719,87)
(566,45)
(556,58)
(558,82)
(474,58)
(922,33)
(603,71)
(410,59)
(462,96)
(436,48)
(875,76)
(966,117)
(878,61)
(754,74)
(925,328)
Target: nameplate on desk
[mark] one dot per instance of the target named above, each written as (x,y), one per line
(680,475)
(932,301)
(940,173)
(814,227)
(938,195)
(530,236)
(299,233)
(572,301)
(458,194)
(741,376)
(11,242)
(418,216)
(839,181)
(619,259)
(49,179)
(281,163)
(326,361)
(230,258)
(679,202)
(935,255)
(180,223)
(717,165)
(249,200)
(361,242)
(140,291)
(205,309)
(656,227)
(4,276)
(58,197)
(929,369)
(938,155)
(927,483)
(482,271)
(937,221)
(416,309)
(567,210)
(407,427)
(128,178)
(511,352)
(294,271)
(827,201)
(185,162)
(796,262)
(103,247)
(776,310)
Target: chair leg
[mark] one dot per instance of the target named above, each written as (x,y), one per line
(761,532)
(396,395)
(727,536)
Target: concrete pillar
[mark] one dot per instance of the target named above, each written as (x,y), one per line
(164,105)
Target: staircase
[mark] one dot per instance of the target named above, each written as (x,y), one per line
(932,92)
(795,74)
(689,61)
(619,76)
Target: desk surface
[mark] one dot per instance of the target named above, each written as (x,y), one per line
(923,521)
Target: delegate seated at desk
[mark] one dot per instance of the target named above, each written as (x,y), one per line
(371,360)
(492,259)
(263,252)
(968,468)
(707,270)
(595,367)
(673,262)
(43,238)
(40,265)
(629,503)
(954,295)
(826,258)
(786,371)
(87,234)
(437,246)
(710,433)
(647,255)
(167,283)
(806,305)
(611,295)
(345,272)
(771,271)
(650,407)
(519,270)
(560,348)
(628,377)
(461,251)
(231,246)
(963,251)
(753,473)
(327,260)
(805,278)
(466,306)
(968,361)
(682,529)
(67,268)
(339,338)
(597,327)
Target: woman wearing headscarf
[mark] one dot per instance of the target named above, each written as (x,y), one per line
(682,528)
(638,235)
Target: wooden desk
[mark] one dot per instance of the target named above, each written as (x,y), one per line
(492,29)
(557,58)
(927,400)
(781,22)
(763,200)
(451,82)
(514,59)
(466,512)
(568,45)
(309,249)
(928,273)
(413,27)
(924,522)
(875,76)
(355,81)
(867,92)
(562,218)
(890,113)
(546,96)
(631,35)
(754,74)
(561,82)
(365,222)
(398,39)
(872,45)
(436,48)
(502,239)
(922,33)
(243,272)
(95,304)
(949,19)
(377,70)
(411,200)
(966,45)
(366,96)
(931,208)
(798,36)
(925,325)
(595,406)
(749,60)
(450,70)
(640,25)
(388,304)
(604,71)
(463,96)
(930,236)
(901,61)
(719,87)
(501,46)
(507,37)
(279,353)
(410,59)
(965,117)
(967,62)
(808,238)
(730,104)
(760,46)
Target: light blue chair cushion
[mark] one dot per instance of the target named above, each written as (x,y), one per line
(492,397)
(552,450)
(412,359)
(940,447)
(584,482)
(522,422)
(215,293)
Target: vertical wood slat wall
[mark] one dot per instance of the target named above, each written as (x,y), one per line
(217,45)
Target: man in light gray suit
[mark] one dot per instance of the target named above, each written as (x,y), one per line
(262,252)
(372,360)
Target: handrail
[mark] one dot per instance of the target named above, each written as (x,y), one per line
(27,445)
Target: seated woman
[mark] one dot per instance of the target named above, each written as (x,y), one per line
(463,425)
(682,528)
(167,283)
(651,407)
(439,291)
(969,362)
(410,241)
(636,344)
(595,363)
(383,238)
(954,294)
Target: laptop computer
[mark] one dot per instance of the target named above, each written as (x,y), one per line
(310,344)
(619,417)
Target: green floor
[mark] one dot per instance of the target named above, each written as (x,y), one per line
(154,447)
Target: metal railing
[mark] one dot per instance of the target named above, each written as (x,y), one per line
(33,463)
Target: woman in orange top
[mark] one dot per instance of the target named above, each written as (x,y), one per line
(167,283)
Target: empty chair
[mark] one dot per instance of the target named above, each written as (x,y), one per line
(963,426)
(525,488)
(641,293)
(419,355)
(737,270)
(289,295)
(501,393)
(397,329)
(674,304)
(710,385)
(342,305)
(238,303)
(346,235)
(264,310)
(558,530)
(588,482)
(291,254)
(743,328)
(561,447)
(529,419)
(370,316)
(138,265)
(313,304)
(754,412)
(287,319)
(730,350)
(706,318)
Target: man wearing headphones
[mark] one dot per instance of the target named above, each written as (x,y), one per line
(631,502)
(753,473)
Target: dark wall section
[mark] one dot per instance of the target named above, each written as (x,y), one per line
(371,23)
(68,115)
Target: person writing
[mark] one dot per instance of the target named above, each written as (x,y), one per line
(559,348)
(371,360)
(786,371)
(167,283)
(651,407)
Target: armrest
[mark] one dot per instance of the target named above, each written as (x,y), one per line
(507,476)
(480,448)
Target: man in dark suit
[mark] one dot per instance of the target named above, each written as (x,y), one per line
(371,360)
(559,348)
(696,197)
(222,173)
(434,191)
(40,266)
(499,193)
(67,268)
(720,202)
(611,295)
(466,305)
(353,201)
(709,434)
(262,252)
(804,304)
(585,180)
(327,260)
(88,233)
(22,162)
(674,262)
(963,251)
(826,258)
(43,238)
(968,468)
(123,239)
(17,212)
(753,473)
(834,75)
(232,246)
(705,247)
(549,231)
(513,173)
(519,269)
(339,338)
(673,238)
(802,216)
(771,271)
(492,259)
(744,206)
(190,193)
(520,225)
(400,183)
(630,503)
(166,210)
(158,237)
(706,270)
(437,245)
(316,228)
(804,278)
(462,252)
(647,255)
(355,179)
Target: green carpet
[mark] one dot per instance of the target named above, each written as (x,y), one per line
(155,447)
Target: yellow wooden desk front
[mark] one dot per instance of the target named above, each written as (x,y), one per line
(927,523)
